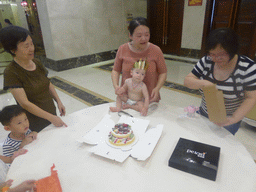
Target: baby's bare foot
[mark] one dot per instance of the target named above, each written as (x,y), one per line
(114,109)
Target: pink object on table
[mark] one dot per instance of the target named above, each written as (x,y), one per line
(191,109)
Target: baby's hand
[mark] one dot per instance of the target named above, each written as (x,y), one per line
(120,91)
(116,90)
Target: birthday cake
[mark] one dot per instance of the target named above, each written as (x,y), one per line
(121,135)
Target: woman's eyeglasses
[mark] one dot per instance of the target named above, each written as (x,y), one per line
(220,55)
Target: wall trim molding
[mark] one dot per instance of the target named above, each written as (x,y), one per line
(70,63)
(192,53)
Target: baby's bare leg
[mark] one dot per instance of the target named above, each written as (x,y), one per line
(137,107)
(126,106)
(118,103)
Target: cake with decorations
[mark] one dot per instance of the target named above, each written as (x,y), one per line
(121,135)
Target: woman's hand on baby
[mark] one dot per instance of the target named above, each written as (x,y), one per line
(154,95)
(144,111)
(119,91)
(116,90)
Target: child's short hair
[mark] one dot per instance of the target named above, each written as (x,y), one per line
(141,64)
(9,112)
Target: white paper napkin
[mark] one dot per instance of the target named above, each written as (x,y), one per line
(144,148)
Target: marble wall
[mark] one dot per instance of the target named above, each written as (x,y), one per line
(72,29)
(193,23)
(81,32)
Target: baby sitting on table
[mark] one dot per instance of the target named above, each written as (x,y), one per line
(14,119)
(5,186)
(134,92)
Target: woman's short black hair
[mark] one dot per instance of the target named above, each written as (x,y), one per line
(226,37)
(9,112)
(12,35)
(137,22)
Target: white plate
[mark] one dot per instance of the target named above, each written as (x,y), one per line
(124,147)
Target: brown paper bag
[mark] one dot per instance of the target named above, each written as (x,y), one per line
(215,104)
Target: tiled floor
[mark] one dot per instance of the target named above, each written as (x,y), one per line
(90,85)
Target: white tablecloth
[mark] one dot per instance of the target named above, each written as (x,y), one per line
(80,170)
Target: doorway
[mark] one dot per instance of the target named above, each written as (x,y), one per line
(239,15)
(32,17)
(165,19)
(25,15)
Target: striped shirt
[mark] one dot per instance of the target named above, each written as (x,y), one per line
(11,145)
(242,79)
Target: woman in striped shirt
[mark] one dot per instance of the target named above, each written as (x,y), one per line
(232,73)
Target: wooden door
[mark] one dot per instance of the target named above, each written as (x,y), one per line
(175,10)
(246,27)
(222,13)
(165,19)
(156,15)
(239,15)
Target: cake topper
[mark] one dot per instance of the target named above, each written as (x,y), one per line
(141,64)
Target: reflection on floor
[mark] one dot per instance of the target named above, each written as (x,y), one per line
(91,85)
(84,95)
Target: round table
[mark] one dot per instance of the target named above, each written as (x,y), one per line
(81,170)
